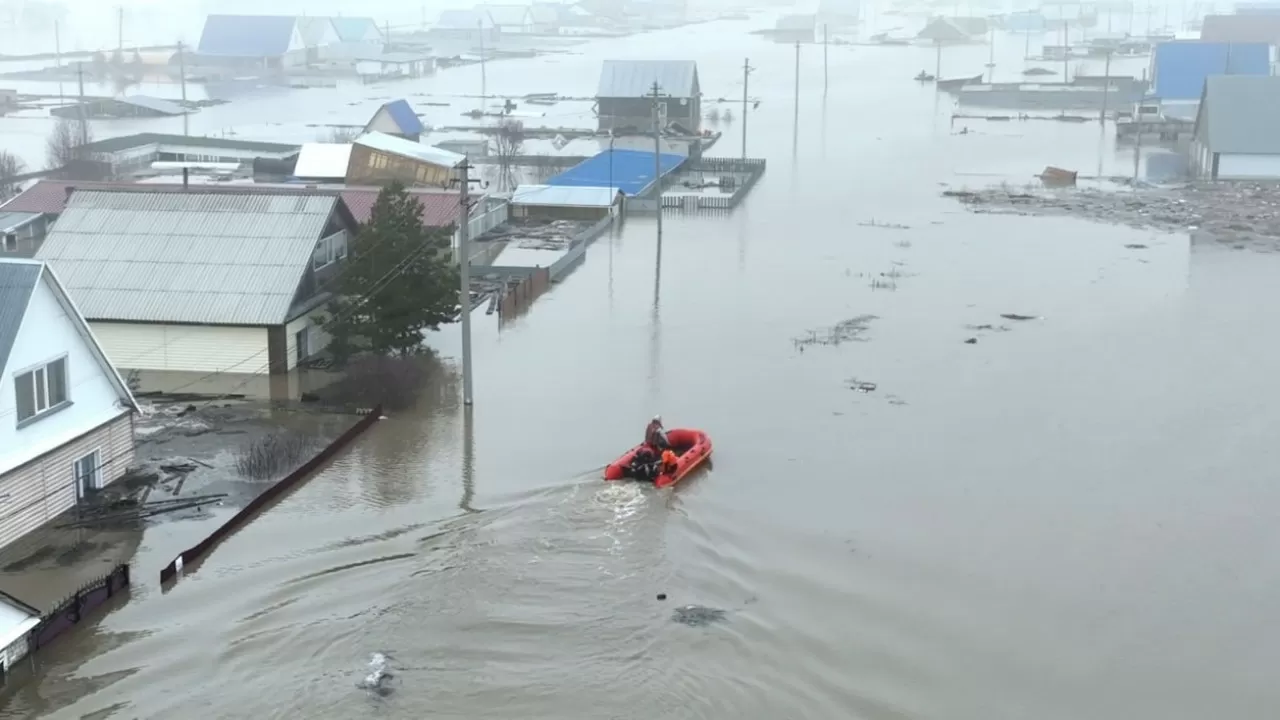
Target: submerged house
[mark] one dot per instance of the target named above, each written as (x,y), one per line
(469,28)
(202,280)
(943,31)
(795,28)
(379,159)
(1179,69)
(396,118)
(259,41)
(624,96)
(358,37)
(1235,135)
(66,416)
(517,19)
(1241,29)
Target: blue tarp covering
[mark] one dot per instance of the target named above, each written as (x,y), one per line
(246,36)
(631,171)
(404,116)
(1181,66)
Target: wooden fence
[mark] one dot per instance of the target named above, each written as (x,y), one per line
(170,571)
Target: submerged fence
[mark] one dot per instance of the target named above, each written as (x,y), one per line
(752,168)
(77,606)
(272,493)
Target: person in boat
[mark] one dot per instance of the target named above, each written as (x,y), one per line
(669,465)
(655,436)
(644,466)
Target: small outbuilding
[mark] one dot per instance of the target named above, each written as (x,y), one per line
(558,202)
(1235,134)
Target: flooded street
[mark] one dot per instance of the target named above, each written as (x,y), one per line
(1066,518)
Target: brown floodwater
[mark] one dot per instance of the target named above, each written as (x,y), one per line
(1066,519)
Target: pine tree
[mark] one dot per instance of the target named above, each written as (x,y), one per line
(399,280)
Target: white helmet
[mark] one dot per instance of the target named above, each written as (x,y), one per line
(657,419)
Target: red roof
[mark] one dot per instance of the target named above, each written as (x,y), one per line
(439,209)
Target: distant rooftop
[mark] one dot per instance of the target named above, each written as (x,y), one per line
(410,149)
(126,142)
(464,20)
(635,78)
(1181,66)
(247,36)
(630,171)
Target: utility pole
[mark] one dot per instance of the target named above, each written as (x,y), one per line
(746,73)
(483,90)
(1106,88)
(182,69)
(84,121)
(824,59)
(120,33)
(57,51)
(657,160)
(797,118)
(1066,52)
(464,275)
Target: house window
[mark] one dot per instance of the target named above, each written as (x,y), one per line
(378,161)
(10,242)
(329,250)
(41,390)
(88,471)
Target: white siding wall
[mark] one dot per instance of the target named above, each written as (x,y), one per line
(186,348)
(1248,167)
(46,334)
(317,339)
(45,487)
(382,121)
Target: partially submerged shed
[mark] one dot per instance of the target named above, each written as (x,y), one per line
(1235,134)
(132,106)
(565,202)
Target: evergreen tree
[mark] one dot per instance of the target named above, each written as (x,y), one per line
(399,280)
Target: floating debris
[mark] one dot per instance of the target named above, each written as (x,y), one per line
(988,328)
(698,615)
(1136,246)
(971,341)
(861,386)
(1015,316)
(888,226)
(378,677)
(850,330)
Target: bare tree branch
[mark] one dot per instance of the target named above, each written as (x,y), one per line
(508,142)
(340,135)
(64,150)
(11,166)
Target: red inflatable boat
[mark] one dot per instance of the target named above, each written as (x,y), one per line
(691,447)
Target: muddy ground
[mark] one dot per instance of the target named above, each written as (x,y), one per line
(183,451)
(1242,216)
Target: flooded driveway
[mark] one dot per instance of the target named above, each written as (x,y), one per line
(1065,518)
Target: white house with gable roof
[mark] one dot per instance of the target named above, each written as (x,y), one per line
(66,416)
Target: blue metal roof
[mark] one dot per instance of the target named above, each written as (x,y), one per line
(630,171)
(404,116)
(355,29)
(1181,66)
(246,36)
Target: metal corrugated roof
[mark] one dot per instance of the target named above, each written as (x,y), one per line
(635,78)
(563,196)
(507,15)
(356,29)
(1243,112)
(10,221)
(1181,66)
(323,160)
(1241,29)
(160,105)
(18,279)
(248,36)
(186,257)
(410,149)
(404,116)
(631,171)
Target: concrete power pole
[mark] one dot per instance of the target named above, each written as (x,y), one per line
(84,120)
(797,85)
(464,275)
(824,59)
(182,70)
(746,73)
(657,156)
(1106,88)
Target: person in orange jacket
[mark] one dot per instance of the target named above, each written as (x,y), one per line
(668,462)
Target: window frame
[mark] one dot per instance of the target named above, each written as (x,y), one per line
(40,371)
(95,473)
